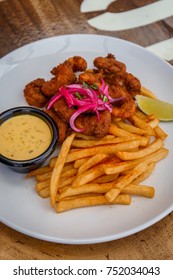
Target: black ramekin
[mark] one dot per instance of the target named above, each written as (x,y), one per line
(24,166)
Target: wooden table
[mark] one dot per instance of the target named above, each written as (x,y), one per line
(25,21)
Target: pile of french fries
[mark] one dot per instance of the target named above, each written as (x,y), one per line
(90,171)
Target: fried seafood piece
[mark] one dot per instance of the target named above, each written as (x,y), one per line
(91,126)
(62,110)
(77,63)
(64,76)
(114,73)
(91,78)
(126,110)
(125,107)
(33,93)
(62,126)
(110,65)
(133,84)
(88,122)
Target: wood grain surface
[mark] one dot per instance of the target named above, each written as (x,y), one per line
(26,21)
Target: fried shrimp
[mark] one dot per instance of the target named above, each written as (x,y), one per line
(110,65)
(64,76)
(83,99)
(62,126)
(62,110)
(87,122)
(76,63)
(91,78)
(34,94)
(133,84)
(125,106)
(91,126)
(126,110)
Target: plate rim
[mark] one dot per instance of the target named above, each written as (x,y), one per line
(100,239)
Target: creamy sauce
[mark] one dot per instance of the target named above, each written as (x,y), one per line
(24,137)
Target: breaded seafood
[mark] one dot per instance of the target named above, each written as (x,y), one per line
(34,95)
(62,126)
(107,72)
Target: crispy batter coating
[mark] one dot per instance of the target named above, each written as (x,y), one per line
(133,84)
(91,78)
(77,63)
(33,93)
(64,76)
(110,65)
(125,107)
(122,85)
(62,110)
(91,126)
(62,126)
(87,121)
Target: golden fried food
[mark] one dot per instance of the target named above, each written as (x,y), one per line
(90,125)
(133,84)
(62,126)
(126,110)
(62,110)
(122,87)
(64,76)
(77,63)
(91,78)
(110,65)
(33,93)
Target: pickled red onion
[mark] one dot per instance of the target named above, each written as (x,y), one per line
(86,98)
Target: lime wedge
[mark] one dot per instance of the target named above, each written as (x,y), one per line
(161,109)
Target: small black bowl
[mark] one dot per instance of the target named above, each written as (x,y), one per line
(24,166)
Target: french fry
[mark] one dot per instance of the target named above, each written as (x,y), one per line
(153,123)
(143,125)
(146,92)
(67,167)
(107,149)
(145,174)
(52,162)
(140,114)
(160,133)
(125,180)
(106,178)
(69,173)
(65,182)
(151,148)
(130,189)
(44,176)
(69,204)
(92,143)
(88,188)
(58,168)
(44,193)
(91,162)
(39,171)
(79,162)
(115,130)
(118,167)
(88,176)
(130,128)
(126,135)
(141,190)
(42,185)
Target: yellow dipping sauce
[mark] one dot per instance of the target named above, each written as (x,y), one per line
(24,137)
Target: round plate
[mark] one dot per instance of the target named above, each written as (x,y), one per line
(20,207)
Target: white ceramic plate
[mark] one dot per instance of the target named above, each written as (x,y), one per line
(20,206)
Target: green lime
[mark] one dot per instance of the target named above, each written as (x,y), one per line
(161,109)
